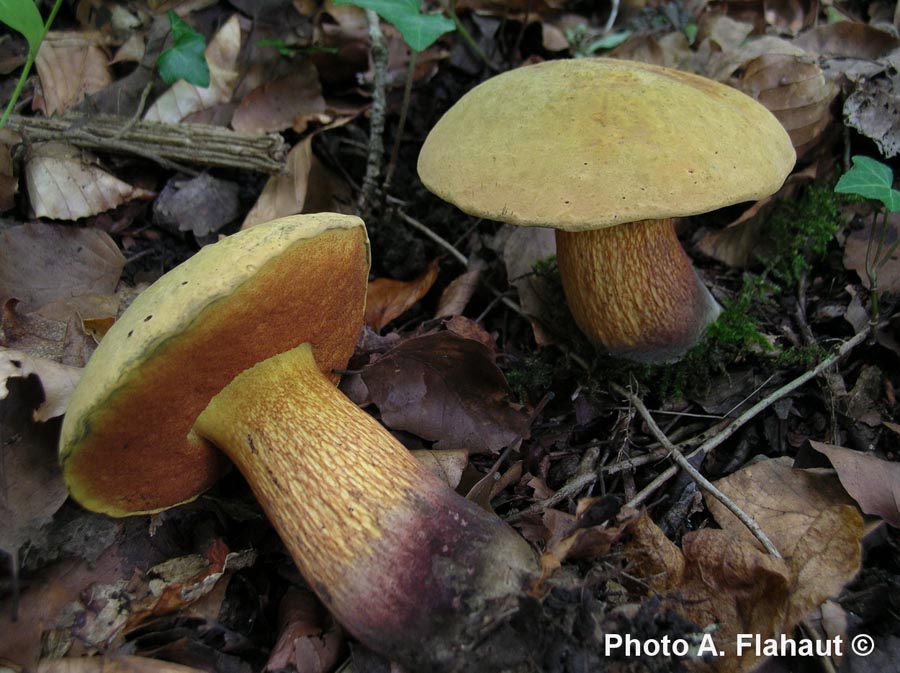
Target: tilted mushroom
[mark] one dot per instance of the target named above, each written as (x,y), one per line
(253,326)
(586,145)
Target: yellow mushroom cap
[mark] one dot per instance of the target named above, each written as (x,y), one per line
(587,143)
(124,446)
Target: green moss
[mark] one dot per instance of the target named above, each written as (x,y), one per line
(800,231)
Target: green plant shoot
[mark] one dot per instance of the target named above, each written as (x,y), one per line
(186,58)
(23,17)
(873,180)
(419,31)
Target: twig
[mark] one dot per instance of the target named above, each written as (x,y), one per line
(165,144)
(379,111)
(721,434)
(585,476)
(695,474)
(449,6)
(401,124)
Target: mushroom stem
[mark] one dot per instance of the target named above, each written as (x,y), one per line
(632,289)
(412,569)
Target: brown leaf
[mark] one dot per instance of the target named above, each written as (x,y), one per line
(459,291)
(183,99)
(872,109)
(652,556)
(387,299)
(848,39)
(289,101)
(448,465)
(308,640)
(65,184)
(826,558)
(202,204)
(445,389)
(9,181)
(71,66)
(284,194)
(72,262)
(874,483)
(782,500)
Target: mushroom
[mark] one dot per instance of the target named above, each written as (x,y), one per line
(231,354)
(586,145)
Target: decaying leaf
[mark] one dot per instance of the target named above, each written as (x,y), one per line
(308,639)
(872,109)
(31,483)
(71,66)
(202,204)
(872,482)
(387,299)
(65,184)
(445,389)
(57,381)
(782,500)
(73,261)
(448,465)
(183,99)
(459,291)
(286,102)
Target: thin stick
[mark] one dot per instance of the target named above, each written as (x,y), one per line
(722,435)
(695,474)
(379,111)
(401,124)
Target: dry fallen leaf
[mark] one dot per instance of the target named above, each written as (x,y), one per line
(448,465)
(183,99)
(72,261)
(784,501)
(874,483)
(64,184)
(57,381)
(445,389)
(308,639)
(872,109)
(202,204)
(287,102)
(71,66)
(387,299)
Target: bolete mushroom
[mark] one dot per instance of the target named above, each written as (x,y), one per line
(608,152)
(231,354)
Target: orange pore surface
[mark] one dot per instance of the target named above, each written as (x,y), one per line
(135,455)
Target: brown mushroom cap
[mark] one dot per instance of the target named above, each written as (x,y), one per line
(124,446)
(586,143)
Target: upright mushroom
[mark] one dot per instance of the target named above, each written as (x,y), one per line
(231,354)
(587,145)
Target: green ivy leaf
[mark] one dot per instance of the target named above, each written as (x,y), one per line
(419,31)
(23,17)
(186,59)
(870,179)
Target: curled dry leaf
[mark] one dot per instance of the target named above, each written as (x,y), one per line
(308,639)
(874,483)
(183,99)
(445,389)
(387,299)
(64,184)
(286,102)
(448,465)
(71,66)
(73,262)
(459,291)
